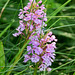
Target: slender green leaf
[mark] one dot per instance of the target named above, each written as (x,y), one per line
(60,27)
(4,7)
(17,57)
(6,29)
(63,65)
(21,72)
(58,10)
(52,24)
(68,35)
(2,57)
(74,73)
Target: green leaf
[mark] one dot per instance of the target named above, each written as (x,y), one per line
(58,10)
(62,65)
(21,72)
(4,7)
(17,57)
(6,29)
(74,73)
(2,57)
(68,35)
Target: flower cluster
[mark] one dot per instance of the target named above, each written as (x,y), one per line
(41,48)
(31,18)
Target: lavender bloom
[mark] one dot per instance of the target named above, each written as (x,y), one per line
(28,48)
(42,51)
(42,67)
(46,59)
(17,34)
(35,15)
(50,50)
(38,50)
(35,58)
(31,27)
(26,58)
(49,69)
(40,2)
(41,47)
(35,43)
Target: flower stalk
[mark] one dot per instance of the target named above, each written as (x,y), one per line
(35,69)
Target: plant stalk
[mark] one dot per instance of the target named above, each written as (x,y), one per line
(35,69)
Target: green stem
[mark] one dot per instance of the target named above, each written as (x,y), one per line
(17,57)
(35,69)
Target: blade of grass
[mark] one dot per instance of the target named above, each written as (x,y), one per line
(2,58)
(17,57)
(58,10)
(53,24)
(22,4)
(68,35)
(4,8)
(63,26)
(13,47)
(64,54)
(61,16)
(66,21)
(45,72)
(44,1)
(6,29)
(74,73)
(21,72)
(18,67)
(60,27)
(61,66)
(13,20)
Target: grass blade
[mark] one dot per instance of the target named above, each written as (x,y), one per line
(52,25)
(57,10)
(62,65)
(74,73)
(21,72)
(2,57)
(4,8)
(17,57)
(61,33)
(60,27)
(6,29)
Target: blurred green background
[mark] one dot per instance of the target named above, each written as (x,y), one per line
(64,29)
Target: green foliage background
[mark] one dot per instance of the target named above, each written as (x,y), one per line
(62,24)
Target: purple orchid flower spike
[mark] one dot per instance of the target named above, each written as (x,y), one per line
(41,48)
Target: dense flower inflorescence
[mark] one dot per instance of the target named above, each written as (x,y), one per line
(41,48)
(31,18)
